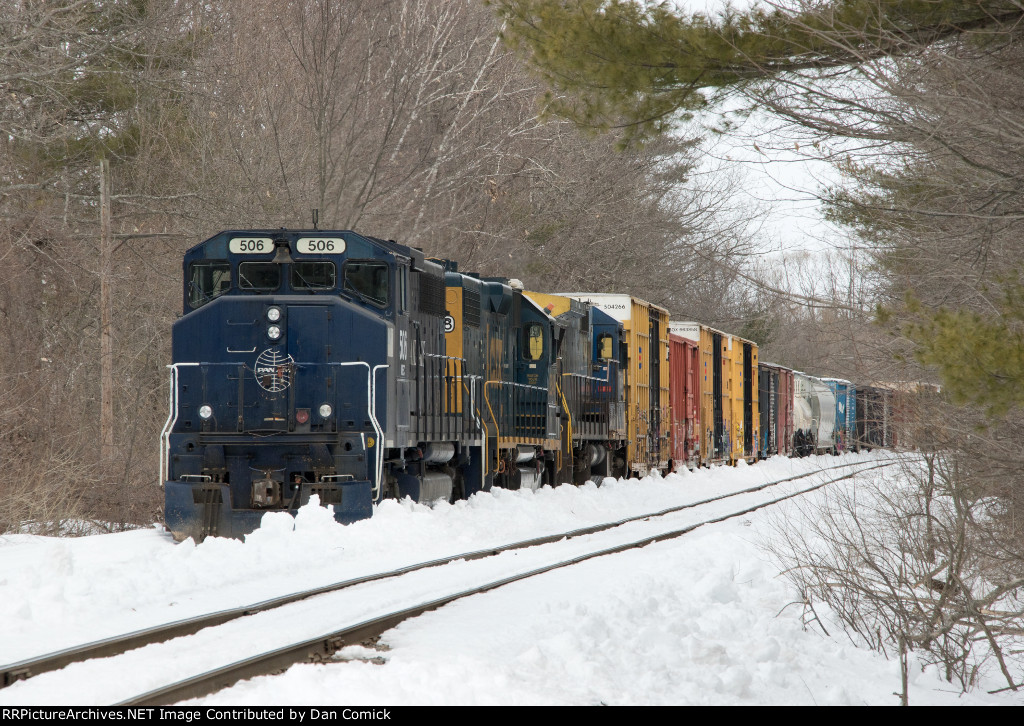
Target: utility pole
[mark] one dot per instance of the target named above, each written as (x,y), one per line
(853,271)
(107,250)
(106,313)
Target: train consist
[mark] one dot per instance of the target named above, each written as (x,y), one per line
(353,368)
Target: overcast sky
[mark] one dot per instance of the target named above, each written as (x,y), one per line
(775,175)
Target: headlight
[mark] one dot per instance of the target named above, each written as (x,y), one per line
(274,314)
(273,332)
(205,412)
(326,410)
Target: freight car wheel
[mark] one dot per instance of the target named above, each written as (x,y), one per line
(458,488)
(619,467)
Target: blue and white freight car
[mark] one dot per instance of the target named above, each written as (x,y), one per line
(814,412)
(845,432)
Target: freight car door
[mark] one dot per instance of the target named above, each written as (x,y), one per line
(764,388)
(719,448)
(693,401)
(654,382)
(776,430)
(748,400)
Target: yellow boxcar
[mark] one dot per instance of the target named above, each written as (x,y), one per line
(729,421)
(745,418)
(645,328)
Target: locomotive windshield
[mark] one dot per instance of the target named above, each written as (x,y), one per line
(312,275)
(368,279)
(259,275)
(533,335)
(207,280)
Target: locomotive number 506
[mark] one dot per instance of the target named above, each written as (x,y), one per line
(251,245)
(320,245)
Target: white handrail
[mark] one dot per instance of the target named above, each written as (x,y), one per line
(380,434)
(371,397)
(172,418)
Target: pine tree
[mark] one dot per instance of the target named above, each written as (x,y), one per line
(620,63)
(939,212)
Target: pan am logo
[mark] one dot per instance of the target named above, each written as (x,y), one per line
(274,371)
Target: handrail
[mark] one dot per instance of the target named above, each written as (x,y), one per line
(480,426)
(371,402)
(471,395)
(380,434)
(607,370)
(565,407)
(513,385)
(448,374)
(172,418)
(487,400)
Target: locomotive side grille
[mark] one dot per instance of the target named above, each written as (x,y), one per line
(471,308)
(432,295)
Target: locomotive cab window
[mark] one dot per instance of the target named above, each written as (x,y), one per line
(313,275)
(369,280)
(208,280)
(259,276)
(533,341)
(604,347)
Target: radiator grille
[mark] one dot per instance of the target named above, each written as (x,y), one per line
(432,294)
(471,308)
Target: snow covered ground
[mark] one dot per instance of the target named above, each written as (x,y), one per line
(704,619)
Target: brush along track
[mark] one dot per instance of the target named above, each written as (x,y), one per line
(324,646)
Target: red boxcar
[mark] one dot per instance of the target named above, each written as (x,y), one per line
(776,410)
(684,401)
(785,415)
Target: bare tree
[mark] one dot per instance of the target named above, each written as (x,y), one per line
(906,564)
(412,121)
(82,80)
(407,120)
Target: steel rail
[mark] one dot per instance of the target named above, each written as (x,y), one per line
(117,644)
(322,648)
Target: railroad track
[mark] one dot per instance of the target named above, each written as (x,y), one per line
(324,645)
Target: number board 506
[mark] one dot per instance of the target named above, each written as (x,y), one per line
(320,245)
(251,245)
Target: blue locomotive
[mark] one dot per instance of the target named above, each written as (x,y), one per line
(334,364)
